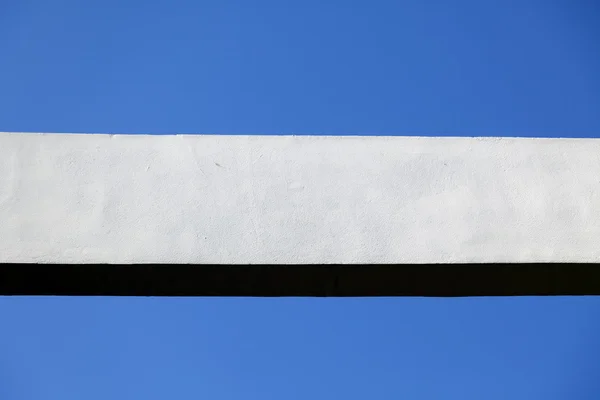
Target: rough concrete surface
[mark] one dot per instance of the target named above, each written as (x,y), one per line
(297,199)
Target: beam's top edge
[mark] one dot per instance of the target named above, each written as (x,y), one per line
(301,136)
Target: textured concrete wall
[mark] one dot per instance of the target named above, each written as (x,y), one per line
(259,199)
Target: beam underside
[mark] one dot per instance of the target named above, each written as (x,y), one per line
(301,280)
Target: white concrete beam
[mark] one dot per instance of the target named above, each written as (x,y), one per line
(202,199)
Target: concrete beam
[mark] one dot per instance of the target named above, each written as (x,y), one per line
(303,202)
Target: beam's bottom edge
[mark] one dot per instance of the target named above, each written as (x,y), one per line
(303,280)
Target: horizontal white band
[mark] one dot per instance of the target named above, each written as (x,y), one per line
(297,199)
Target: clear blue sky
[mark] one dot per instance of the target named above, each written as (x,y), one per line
(510,68)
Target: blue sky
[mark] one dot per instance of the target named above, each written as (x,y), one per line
(507,68)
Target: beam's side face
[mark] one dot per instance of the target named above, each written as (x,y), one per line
(298,200)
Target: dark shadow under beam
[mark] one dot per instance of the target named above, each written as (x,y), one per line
(440,280)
